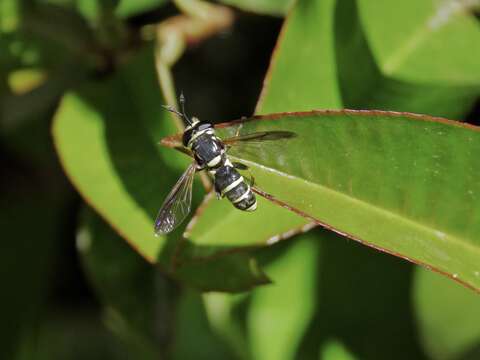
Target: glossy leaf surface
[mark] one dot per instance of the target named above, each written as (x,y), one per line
(387,179)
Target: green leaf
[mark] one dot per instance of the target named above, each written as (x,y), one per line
(363,295)
(270,321)
(351,169)
(25,288)
(34,201)
(128,285)
(234,272)
(449,324)
(409,60)
(194,338)
(217,224)
(76,334)
(141,306)
(9,16)
(279,314)
(335,350)
(127,8)
(404,49)
(267,7)
(303,71)
(104,134)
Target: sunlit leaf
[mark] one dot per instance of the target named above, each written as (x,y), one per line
(126,284)
(335,350)
(267,7)
(350,170)
(287,87)
(418,61)
(127,8)
(104,137)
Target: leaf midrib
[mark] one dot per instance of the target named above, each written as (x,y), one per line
(412,223)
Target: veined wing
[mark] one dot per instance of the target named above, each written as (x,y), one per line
(178,203)
(259,137)
(259,143)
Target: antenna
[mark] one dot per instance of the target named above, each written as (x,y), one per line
(182,114)
(182,104)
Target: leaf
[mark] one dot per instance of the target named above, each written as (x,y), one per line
(127,8)
(104,135)
(9,16)
(351,169)
(410,61)
(25,288)
(303,71)
(266,7)
(126,284)
(234,272)
(363,294)
(269,321)
(405,48)
(446,330)
(279,314)
(141,305)
(219,225)
(194,338)
(77,334)
(335,350)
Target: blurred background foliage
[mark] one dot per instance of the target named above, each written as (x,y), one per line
(73,288)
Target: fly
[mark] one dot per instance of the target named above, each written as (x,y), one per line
(210,154)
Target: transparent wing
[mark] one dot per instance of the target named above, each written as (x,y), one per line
(259,143)
(259,137)
(178,203)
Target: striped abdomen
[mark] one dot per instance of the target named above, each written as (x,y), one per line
(229,183)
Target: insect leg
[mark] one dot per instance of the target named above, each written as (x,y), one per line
(241,166)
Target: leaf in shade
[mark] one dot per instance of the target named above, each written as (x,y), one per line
(141,306)
(275,325)
(449,324)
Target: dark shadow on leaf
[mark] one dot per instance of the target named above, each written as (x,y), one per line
(364,301)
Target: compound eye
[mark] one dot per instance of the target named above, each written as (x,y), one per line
(204,126)
(187,135)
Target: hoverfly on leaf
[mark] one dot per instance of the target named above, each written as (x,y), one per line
(210,153)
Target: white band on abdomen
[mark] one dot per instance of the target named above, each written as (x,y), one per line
(241,197)
(232,185)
